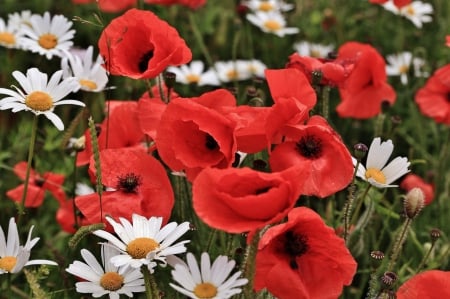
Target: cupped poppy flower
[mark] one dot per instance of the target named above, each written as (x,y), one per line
(189,3)
(136,183)
(37,186)
(194,134)
(120,129)
(140,45)
(316,153)
(429,284)
(412,181)
(433,98)
(303,258)
(365,89)
(226,198)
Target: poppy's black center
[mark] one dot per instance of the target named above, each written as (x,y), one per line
(129,182)
(448,96)
(143,62)
(211,143)
(309,147)
(293,245)
(39,181)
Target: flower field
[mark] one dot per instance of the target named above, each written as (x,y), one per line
(225,149)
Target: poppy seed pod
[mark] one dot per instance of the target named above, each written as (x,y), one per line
(414,202)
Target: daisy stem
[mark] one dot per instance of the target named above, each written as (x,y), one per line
(360,202)
(27,173)
(151,288)
(425,258)
(248,268)
(399,243)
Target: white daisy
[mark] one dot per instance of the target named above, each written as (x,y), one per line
(400,64)
(417,11)
(375,172)
(90,74)
(144,242)
(305,48)
(271,22)
(9,35)
(229,71)
(39,96)
(254,68)
(13,256)
(107,279)
(268,5)
(207,281)
(19,19)
(48,36)
(194,74)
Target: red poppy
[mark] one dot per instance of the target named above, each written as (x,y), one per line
(140,45)
(433,99)
(194,134)
(316,153)
(140,185)
(303,258)
(189,3)
(398,3)
(226,198)
(65,217)
(447,40)
(411,181)
(110,5)
(365,89)
(331,72)
(37,186)
(430,284)
(120,129)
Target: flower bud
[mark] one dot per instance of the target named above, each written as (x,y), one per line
(360,150)
(377,255)
(435,234)
(414,202)
(388,279)
(169,79)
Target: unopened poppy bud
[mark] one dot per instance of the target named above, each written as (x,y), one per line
(360,150)
(256,102)
(435,234)
(316,77)
(387,294)
(169,79)
(414,202)
(377,255)
(388,279)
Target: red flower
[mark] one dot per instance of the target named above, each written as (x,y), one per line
(65,217)
(37,186)
(434,98)
(430,284)
(140,185)
(193,133)
(109,5)
(120,129)
(190,3)
(447,40)
(411,181)
(363,92)
(140,45)
(226,198)
(398,3)
(316,153)
(303,258)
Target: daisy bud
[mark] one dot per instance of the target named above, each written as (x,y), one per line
(414,202)
(435,234)
(360,150)
(388,279)
(169,79)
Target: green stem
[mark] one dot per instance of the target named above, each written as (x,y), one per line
(425,258)
(75,218)
(325,101)
(27,174)
(398,244)
(199,38)
(348,208)
(248,269)
(151,288)
(360,202)
(160,82)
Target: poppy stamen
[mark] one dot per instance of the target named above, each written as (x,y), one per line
(129,182)
(211,143)
(309,147)
(143,62)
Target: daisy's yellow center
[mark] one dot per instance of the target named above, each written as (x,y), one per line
(403,69)
(48,41)
(410,10)
(232,74)
(205,290)
(272,25)
(266,6)
(191,78)
(140,247)
(111,281)
(7,263)
(375,174)
(39,101)
(88,84)
(7,38)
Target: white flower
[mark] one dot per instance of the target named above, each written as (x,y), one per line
(375,172)
(254,68)
(19,19)
(313,50)
(39,95)
(207,281)
(13,256)
(268,5)
(228,71)
(194,74)
(48,36)
(144,242)
(400,64)
(90,74)
(9,35)
(107,279)
(417,11)
(271,22)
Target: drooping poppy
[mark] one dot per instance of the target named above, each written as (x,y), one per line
(433,98)
(431,284)
(238,200)
(140,45)
(412,181)
(315,152)
(365,89)
(37,186)
(303,258)
(194,134)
